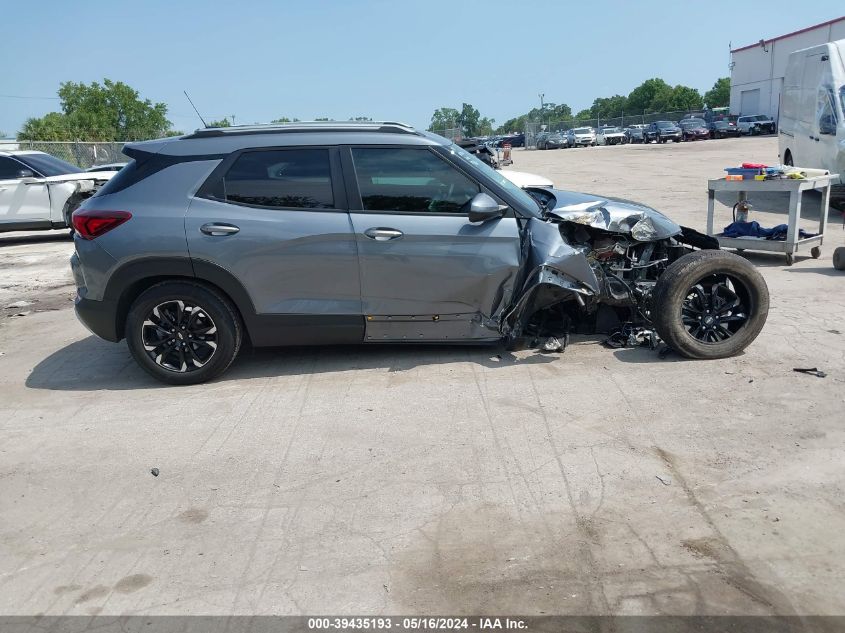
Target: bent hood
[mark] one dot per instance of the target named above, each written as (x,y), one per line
(612,214)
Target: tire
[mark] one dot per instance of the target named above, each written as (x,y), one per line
(688,291)
(212,338)
(839,258)
(816,252)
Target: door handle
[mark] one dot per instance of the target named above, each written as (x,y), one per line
(217,229)
(380,234)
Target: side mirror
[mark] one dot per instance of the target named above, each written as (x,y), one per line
(482,208)
(25,173)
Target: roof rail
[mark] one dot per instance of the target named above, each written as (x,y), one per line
(391,127)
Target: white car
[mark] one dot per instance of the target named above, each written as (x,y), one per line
(611,135)
(582,136)
(39,191)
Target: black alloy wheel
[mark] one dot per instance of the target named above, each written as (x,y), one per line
(179,336)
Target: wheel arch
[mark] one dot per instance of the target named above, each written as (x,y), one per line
(128,282)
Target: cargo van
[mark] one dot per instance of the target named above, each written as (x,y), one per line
(812,110)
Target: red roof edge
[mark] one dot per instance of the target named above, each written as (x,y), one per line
(781,37)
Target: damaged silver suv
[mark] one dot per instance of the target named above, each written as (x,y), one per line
(333,233)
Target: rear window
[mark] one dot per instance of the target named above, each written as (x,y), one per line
(126,177)
(285,179)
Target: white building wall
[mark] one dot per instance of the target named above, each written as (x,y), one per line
(764,68)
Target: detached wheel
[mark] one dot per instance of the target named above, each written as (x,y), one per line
(710,304)
(839,258)
(183,333)
(816,252)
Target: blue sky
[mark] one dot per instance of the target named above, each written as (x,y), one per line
(398,60)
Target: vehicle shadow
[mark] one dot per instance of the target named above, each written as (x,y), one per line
(828,270)
(14,239)
(91,364)
(639,355)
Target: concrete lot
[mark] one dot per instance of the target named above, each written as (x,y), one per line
(433,480)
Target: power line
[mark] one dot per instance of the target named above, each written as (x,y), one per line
(27,97)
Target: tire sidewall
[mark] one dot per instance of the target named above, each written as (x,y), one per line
(683,274)
(229,331)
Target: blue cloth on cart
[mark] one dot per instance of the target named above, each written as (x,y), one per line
(753,229)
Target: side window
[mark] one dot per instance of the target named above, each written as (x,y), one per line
(9,168)
(826,111)
(285,179)
(399,179)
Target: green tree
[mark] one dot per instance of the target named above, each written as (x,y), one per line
(111,111)
(443,119)
(285,119)
(653,94)
(607,107)
(360,118)
(224,122)
(469,120)
(719,96)
(685,98)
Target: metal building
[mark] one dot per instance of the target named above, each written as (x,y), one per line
(757,70)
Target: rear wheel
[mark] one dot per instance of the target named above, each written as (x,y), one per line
(710,304)
(183,333)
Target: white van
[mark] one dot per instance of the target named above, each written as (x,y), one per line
(812,109)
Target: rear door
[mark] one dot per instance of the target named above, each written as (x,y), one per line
(22,200)
(276,219)
(427,272)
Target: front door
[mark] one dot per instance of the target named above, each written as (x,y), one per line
(22,200)
(276,220)
(427,272)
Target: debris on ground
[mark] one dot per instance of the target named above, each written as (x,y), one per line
(812,371)
(630,335)
(665,481)
(18,304)
(154,472)
(555,343)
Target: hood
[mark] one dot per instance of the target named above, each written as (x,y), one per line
(612,214)
(524,180)
(99,176)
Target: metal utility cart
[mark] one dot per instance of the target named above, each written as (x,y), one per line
(817,179)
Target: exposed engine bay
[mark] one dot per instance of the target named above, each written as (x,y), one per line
(603,276)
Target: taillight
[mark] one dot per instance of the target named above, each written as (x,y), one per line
(90,223)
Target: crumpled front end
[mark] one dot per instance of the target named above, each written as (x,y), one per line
(555,273)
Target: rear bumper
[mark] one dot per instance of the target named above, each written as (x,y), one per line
(98,316)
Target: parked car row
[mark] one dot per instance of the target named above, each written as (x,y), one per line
(688,129)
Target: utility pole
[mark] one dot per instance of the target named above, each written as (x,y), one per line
(233,120)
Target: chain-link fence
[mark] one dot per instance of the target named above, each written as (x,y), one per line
(452,133)
(78,153)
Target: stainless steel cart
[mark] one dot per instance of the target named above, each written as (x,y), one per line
(817,180)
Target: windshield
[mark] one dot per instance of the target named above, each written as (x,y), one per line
(581,130)
(611,130)
(48,165)
(504,183)
(761,117)
(692,123)
(664,124)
